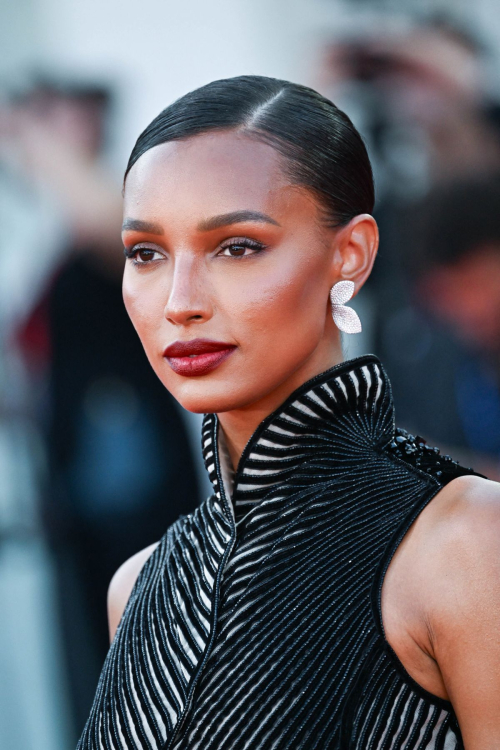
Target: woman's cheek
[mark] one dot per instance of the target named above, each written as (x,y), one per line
(284,313)
(133,294)
(145,315)
(286,293)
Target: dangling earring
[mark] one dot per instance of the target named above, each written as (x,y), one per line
(345,317)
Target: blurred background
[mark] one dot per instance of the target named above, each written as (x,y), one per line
(95,457)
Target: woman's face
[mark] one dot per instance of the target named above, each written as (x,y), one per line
(229,272)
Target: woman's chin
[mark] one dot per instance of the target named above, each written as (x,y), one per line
(204,397)
(208,405)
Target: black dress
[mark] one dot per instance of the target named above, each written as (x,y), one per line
(257,623)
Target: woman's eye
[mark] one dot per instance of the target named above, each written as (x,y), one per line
(142,255)
(240,248)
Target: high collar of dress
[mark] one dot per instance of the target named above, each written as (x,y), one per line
(341,412)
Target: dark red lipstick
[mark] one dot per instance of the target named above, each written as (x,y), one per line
(197,357)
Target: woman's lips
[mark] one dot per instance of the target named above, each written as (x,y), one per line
(197,357)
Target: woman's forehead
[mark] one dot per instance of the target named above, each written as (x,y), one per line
(210,174)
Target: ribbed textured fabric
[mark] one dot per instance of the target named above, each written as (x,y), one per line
(257,623)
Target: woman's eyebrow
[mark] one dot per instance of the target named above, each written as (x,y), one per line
(215,222)
(137,225)
(235,217)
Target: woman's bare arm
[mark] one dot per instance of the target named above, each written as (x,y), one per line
(463,607)
(122,584)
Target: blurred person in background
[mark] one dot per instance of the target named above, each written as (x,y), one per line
(422,101)
(423,93)
(443,347)
(340,587)
(119,456)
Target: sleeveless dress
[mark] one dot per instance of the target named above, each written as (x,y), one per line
(256,623)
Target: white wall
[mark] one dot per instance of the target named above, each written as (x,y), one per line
(157,50)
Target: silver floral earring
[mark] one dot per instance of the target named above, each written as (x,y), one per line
(345,317)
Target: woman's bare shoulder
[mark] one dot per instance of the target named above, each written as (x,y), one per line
(463,519)
(122,584)
(456,556)
(446,571)
(457,534)
(470,502)
(463,602)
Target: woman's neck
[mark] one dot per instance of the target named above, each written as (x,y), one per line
(239,425)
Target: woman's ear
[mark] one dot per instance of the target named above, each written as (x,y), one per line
(356,249)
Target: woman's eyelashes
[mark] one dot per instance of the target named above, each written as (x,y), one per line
(240,247)
(236,247)
(141,256)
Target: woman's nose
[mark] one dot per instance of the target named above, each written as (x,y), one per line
(188,300)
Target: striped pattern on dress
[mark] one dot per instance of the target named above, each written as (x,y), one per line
(256,625)
(161,639)
(288,438)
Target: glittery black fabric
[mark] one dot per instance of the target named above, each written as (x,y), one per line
(414,450)
(256,623)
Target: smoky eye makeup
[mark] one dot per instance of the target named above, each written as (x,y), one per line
(240,247)
(142,254)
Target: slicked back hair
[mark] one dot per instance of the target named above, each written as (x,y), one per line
(321,148)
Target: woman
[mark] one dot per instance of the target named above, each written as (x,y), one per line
(318,599)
